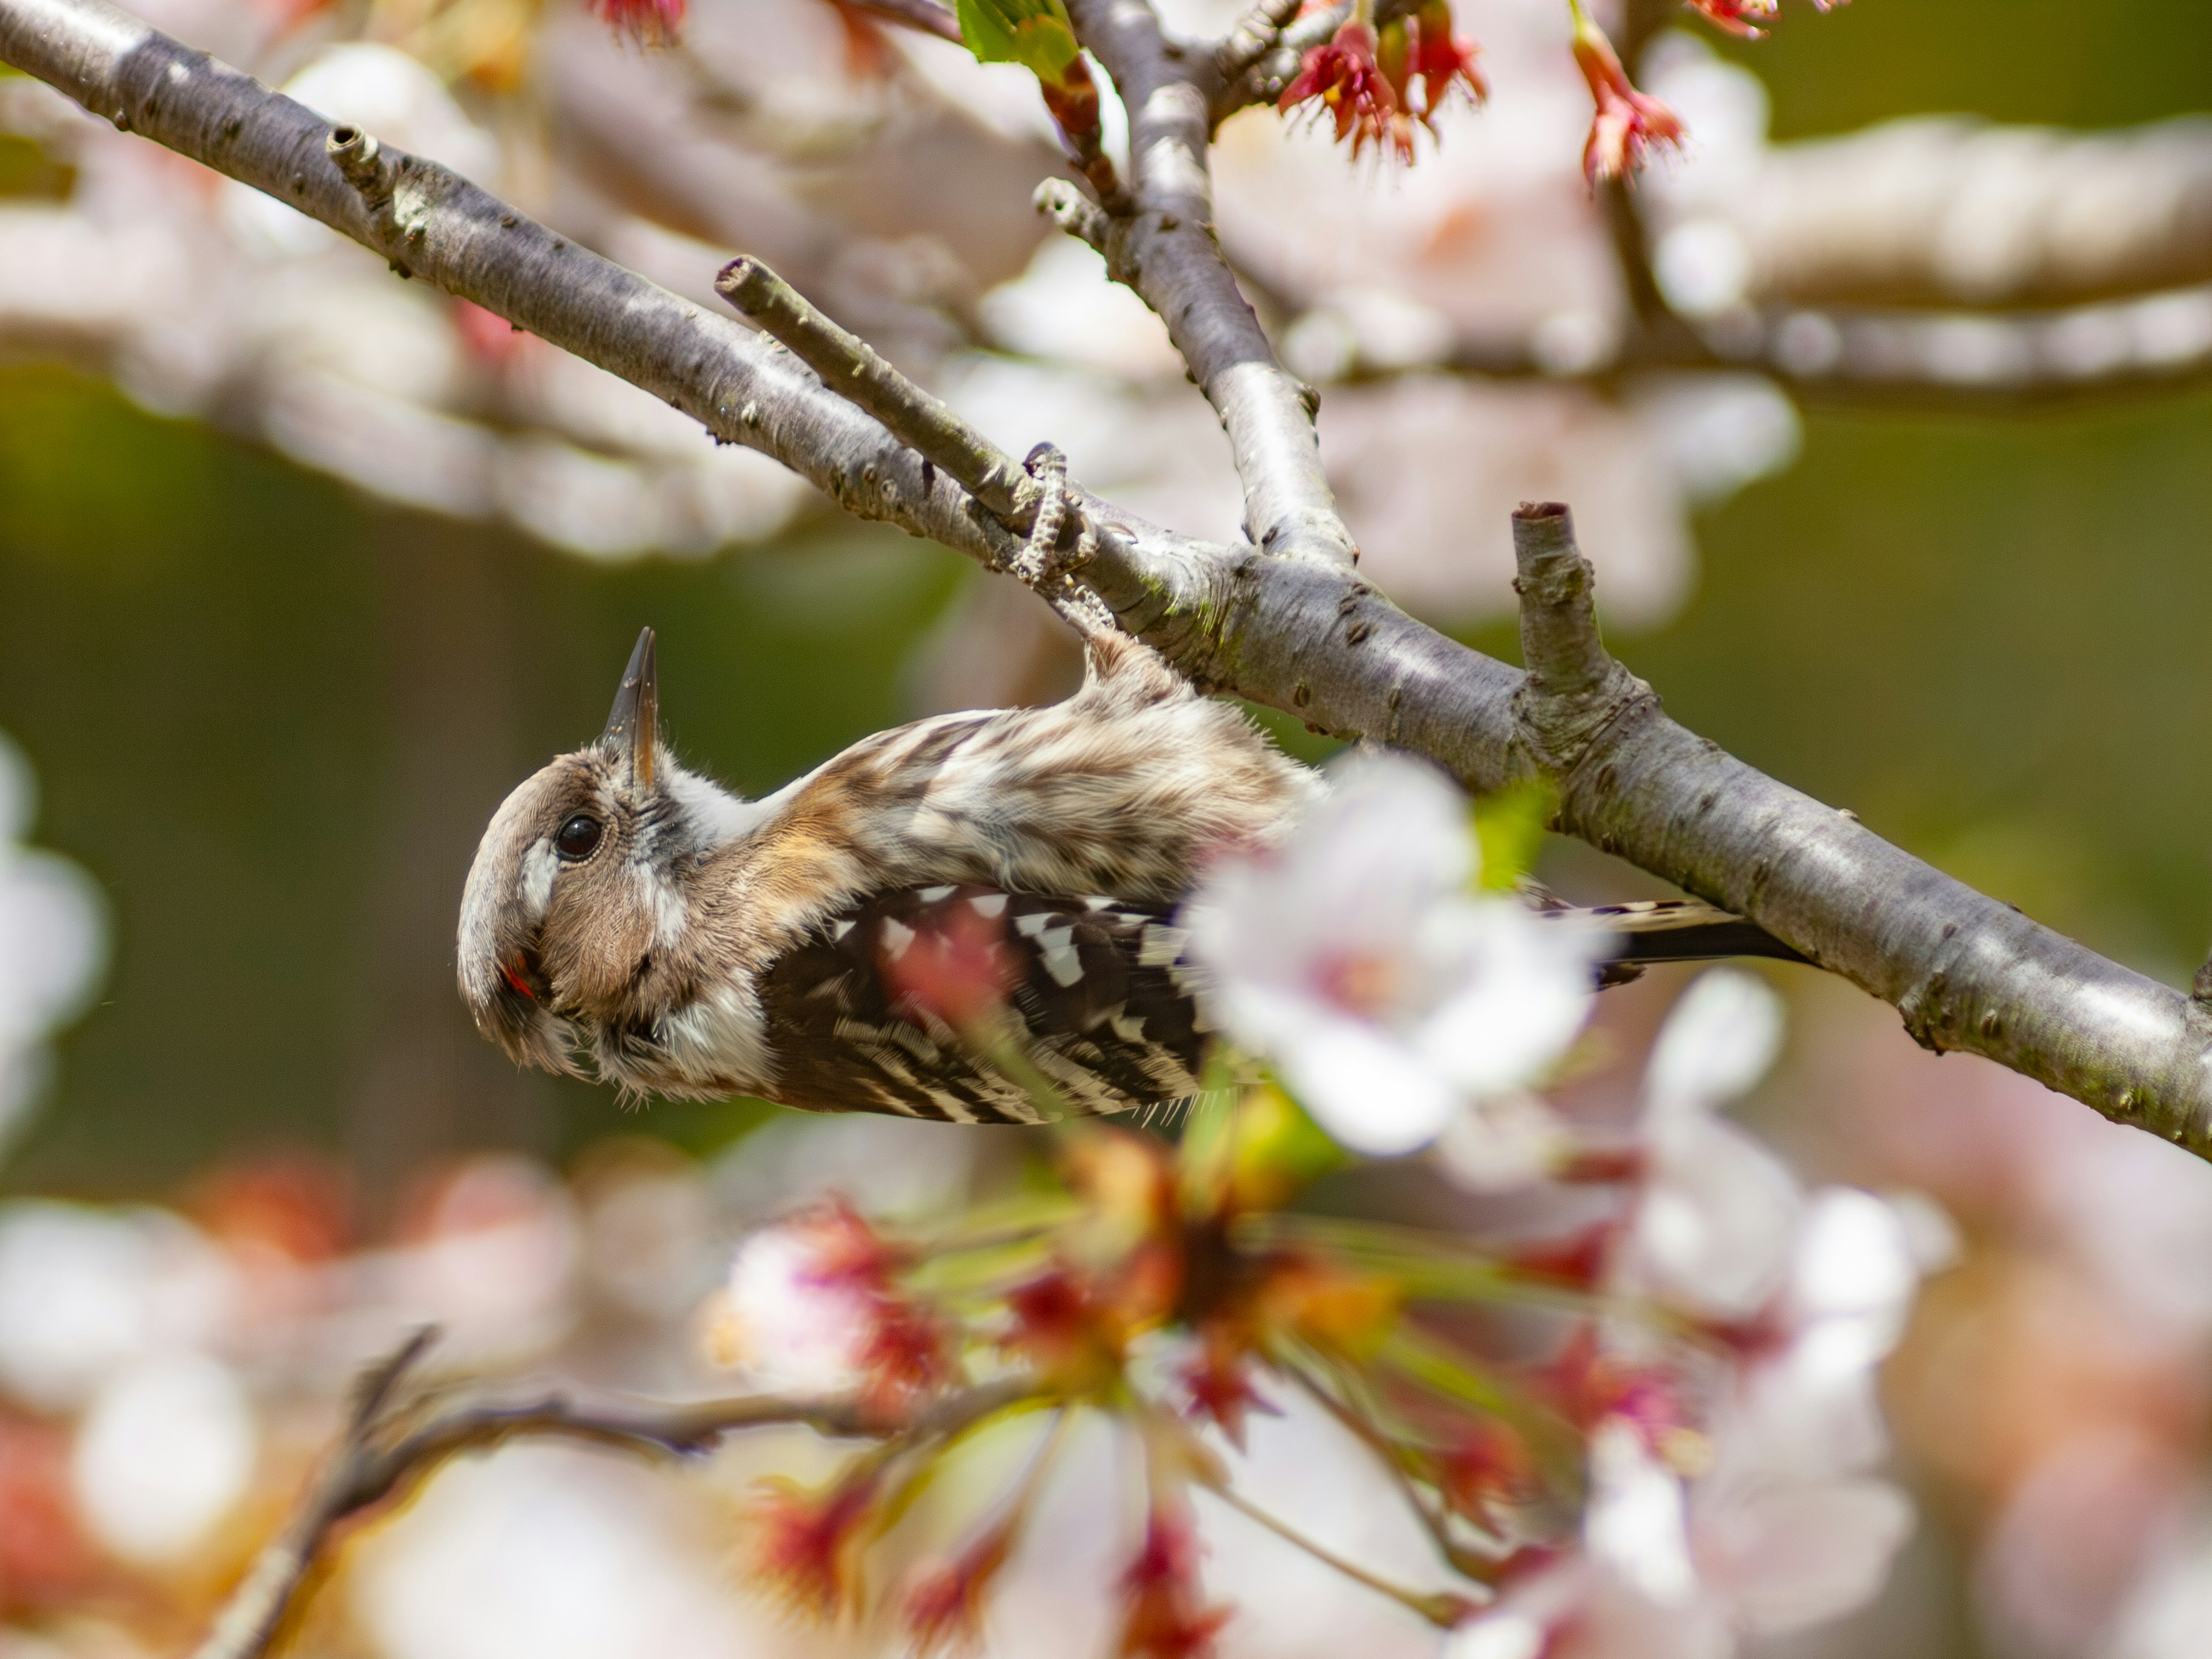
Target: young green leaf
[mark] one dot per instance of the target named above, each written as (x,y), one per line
(1035,33)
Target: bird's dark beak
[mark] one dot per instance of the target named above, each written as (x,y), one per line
(634,725)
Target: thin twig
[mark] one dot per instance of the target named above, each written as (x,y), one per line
(1041,505)
(1432,1517)
(853,369)
(1443,1609)
(1573,688)
(379,1454)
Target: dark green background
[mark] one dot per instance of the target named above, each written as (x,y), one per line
(272,718)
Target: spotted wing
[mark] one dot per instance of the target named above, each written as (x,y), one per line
(973,1004)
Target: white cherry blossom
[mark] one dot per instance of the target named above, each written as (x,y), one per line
(1355,959)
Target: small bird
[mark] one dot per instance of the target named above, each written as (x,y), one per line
(970,918)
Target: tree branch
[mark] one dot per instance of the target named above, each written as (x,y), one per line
(854,369)
(1891,360)
(1967,972)
(1163,247)
(1303,634)
(1945,210)
(389,1444)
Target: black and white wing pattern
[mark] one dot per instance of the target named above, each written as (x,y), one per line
(878,1010)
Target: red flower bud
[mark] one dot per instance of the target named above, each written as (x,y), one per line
(1343,79)
(1740,17)
(945,1608)
(956,967)
(1628,123)
(1443,60)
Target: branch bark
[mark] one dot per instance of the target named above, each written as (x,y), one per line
(1301,633)
(1162,247)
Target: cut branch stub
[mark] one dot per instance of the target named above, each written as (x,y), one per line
(1573,688)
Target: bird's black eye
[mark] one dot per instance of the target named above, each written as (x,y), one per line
(579,837)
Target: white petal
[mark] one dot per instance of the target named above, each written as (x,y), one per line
(1358,877)
(1792,1556)
(1854,1258)
(1499,1635)
(1497,1145)
(1524,994)
(1370,1094)
(164,1453)
(1716,1043)
(1718,1221)
(1636,1523)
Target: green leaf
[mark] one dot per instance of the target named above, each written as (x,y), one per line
(1035,33)
(1510,825)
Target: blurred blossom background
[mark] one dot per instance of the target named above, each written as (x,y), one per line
(302,567)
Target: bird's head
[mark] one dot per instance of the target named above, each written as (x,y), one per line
(577,904)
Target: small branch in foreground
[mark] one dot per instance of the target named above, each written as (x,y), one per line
(389,1444)
(853,369)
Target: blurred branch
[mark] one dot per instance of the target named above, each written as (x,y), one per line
(1950,211)
(1161,244)
(389,1444)
(1868,359)
(1305,634)
(1257,34)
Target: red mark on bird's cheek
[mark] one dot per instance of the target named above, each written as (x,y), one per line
(512,973)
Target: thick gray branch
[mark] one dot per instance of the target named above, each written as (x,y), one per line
(1301,633)
(1967,972)
(1163,247)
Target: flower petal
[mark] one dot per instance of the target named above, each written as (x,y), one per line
(1717,1042)
(1370,1093)
(1636,1522)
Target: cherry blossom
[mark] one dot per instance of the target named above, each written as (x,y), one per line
(812,1305)
(1355,960)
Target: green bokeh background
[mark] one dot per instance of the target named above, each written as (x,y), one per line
(271,717)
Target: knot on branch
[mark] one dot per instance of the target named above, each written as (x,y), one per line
(1074,213)
(361,162)
(1573,688)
